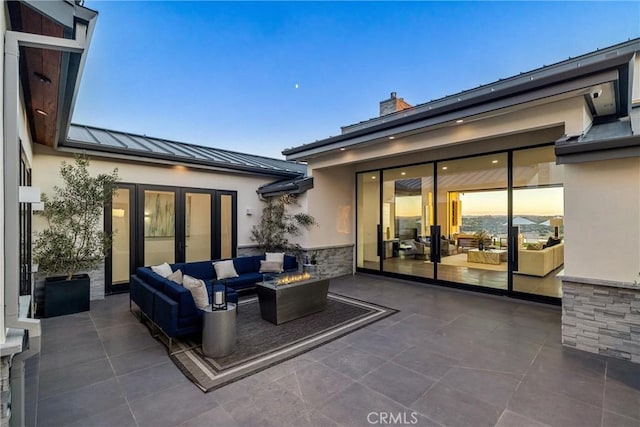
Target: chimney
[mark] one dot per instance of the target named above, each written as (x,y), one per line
(393,105)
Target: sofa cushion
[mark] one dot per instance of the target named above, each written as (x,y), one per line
(225,269)
(198,291)
(163,269)
(270,267)
(200,270)
(151,278)
(176,276)
(247,280)
(182,296)
(245,264)
(290,263)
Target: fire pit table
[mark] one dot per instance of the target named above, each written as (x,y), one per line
(286,297)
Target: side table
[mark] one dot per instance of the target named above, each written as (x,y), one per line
(219,331)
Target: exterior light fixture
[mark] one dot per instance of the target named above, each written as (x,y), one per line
(403,173)
(41,112)
(459,121)
(342,149)
(494,161)
(373,177)
(392,137)
(444,168)
(44,79)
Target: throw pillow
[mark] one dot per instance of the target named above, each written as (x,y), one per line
(225,269)
(198,291)
(176,276)
(163,270)
(275,257)
(270,267)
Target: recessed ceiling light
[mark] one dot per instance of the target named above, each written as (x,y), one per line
(342,149)
(373,177)
(459,121)
(392,137)
(403,173)
(494,161)
(39,111)
(42,77)
(444,168)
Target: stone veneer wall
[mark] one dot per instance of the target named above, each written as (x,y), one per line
(332,261)
(5,390)
(602,319)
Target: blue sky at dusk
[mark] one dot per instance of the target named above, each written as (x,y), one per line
(225,74)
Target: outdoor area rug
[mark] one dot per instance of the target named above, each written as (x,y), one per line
(261,344)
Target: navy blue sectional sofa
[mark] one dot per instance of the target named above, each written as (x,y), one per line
(170,306)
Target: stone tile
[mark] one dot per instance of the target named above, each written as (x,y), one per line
(140,359)
(495,388)
(171,406)
(404,334)
(80,403)
(352,406)
(120,416)
(425,361)
(325,350)
(554,361)
(144,382)
(120,340)
(624,372)
(236,390)
(215,417)
(451,407)
(586,389)
(58,381)
(378,345)
(78,355)
(546,406)
(480,324)
(315,384)
(53,343)
(499,361)
(353,362)
(398,383)
(611,419)
(622,399)
(269,405)
(511,419)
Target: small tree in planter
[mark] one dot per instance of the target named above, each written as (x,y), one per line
(75,240)
(276,225)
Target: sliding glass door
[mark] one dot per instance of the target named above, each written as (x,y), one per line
(371,243)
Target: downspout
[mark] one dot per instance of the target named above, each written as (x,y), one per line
(11,161)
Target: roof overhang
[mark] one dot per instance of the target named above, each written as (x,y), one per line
(293,186)
(611,67)
(50,78)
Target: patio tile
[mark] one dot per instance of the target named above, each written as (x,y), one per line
(119,416)
(624,372)
(586,389)
(80,403)
(511,419)
(58,381)
(622,399)
(63,359)
(120,340)
(611,419)
(377,344)
(555,409)
(352,406)
(554,361)
(215,417)
(139,359)
(171,406)
(353,362)
(456,408)
(148,381)
(315,384)
(499,361)
(423,360)
(398,383)
(52,343)
(495,388)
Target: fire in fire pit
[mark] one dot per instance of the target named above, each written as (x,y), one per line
(292,278)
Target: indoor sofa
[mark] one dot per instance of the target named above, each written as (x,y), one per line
(540,262)
(171,307)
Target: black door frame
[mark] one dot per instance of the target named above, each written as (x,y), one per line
(110,288)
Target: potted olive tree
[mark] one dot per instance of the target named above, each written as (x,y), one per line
(75,241)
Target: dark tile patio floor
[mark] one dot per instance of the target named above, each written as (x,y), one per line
(447,358)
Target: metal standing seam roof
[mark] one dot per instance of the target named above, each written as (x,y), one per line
(105,140)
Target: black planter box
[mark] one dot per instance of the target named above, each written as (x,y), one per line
(62,296)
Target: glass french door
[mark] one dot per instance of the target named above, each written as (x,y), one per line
(120,221)
(371,246)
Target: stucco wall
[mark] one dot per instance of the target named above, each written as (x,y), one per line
(3,28)
(47,166)
(602,220)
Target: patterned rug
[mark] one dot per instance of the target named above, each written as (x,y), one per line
(261,344)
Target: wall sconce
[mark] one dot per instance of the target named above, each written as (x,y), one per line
(117,213)
(28,194)
(249,211)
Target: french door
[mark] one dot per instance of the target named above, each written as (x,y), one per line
(157,224)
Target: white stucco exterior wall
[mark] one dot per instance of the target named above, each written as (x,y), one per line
(3,28)
(602,220)
(47,166)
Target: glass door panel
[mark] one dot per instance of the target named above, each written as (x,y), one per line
(370,229)
(538,210)
(121,241)
(472,213)
(226,226)
(407,214)
(159,227)
(197,227)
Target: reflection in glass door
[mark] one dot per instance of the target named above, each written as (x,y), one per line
(159,227)
(407,214)
(538,209)
(370,241)
(119,221)
(472,212)
(227,217)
